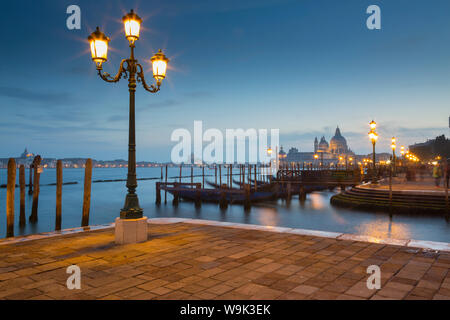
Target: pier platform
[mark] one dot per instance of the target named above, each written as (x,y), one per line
(192,259)
(420,196)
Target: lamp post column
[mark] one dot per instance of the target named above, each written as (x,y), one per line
(374,175)
(395,164)
(131,209)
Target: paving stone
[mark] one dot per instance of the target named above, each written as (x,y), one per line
(193,261)
(305,289)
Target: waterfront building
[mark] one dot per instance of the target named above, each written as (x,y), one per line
(334,152)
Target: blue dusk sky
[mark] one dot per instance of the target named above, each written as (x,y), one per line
(303,66)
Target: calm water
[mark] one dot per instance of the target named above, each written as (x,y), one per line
(108,198)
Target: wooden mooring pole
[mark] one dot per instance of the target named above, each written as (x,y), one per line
(223,203)
(198,200)
(175,195)
(220,175)
(231,175)
(30,185)
(59,182)
(203,176)
(247,201)
(302,193)
(34,209)
(158,193)
(256,180)
(240,176)
(22,219)
(289,195)
(181,168)
(215,173)
(165,191)
(11,187)
(87,193)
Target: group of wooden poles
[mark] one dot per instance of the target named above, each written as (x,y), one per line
(35,171)
(259,174)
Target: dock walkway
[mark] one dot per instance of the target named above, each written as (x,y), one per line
(200,261)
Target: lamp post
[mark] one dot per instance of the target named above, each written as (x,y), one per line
(316,156)
(394,159)
(269,152)
(373,136)
(321,159)
(131,69)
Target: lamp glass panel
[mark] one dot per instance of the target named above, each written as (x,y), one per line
(132,28)
(159,69)
(99,50)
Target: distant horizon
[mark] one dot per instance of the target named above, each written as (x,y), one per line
(286,149)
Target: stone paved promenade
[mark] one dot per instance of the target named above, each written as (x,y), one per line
(189,261)
(423,185)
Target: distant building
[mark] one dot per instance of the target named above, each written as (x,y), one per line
(334,152)
(26,154)
(432,148)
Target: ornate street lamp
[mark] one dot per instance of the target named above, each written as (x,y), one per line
(131,69)
(373,136)
(316,157)
(393,147)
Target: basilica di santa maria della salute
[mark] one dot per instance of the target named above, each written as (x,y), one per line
(327,153)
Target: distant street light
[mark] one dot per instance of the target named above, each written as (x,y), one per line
(135,72)
(373,136)
(393,147)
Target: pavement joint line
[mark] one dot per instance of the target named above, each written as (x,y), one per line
(422,244)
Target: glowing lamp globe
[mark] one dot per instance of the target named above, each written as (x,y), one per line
(373,136)
(159,64)
(132,24)
(373,125)
(99,47)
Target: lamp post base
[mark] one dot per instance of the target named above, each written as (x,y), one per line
(131,230)
(131,209)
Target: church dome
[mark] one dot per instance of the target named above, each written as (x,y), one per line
(338,144)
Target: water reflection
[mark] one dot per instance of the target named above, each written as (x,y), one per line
(317,201)
(385,229)
(314,213)
(268,217)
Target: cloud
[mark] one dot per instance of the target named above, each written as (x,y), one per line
(35,96)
